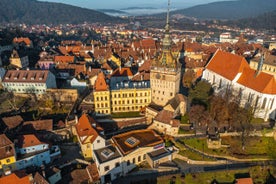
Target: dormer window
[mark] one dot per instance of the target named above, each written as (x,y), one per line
(107,153)
(132,141)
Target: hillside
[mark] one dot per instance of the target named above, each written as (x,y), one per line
(35,12)
(266,21)
(229,9)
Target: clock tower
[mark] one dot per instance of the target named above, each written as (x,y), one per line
(165,71)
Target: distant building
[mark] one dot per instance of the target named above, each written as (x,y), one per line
(29,81)
(22,41)
(19,61)
(227,37)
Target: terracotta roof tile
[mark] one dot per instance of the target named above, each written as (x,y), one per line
(13,178)
(165,116)
(262,82)
(13,121)
(244,181)
(26,40)
(35,76)
(64,59)
(46,124)
(84,128)
(226,64)
(100,84)
(25,141)
(123,72)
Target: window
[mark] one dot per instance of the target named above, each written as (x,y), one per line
(128,162)
(117,164)
(8,160)
(144,157)
(139,158)
(106,168)
(133,160)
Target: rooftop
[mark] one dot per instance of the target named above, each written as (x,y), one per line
(157,154)
(23,76)
(106,154)
(6,147)
(130,141)
(130,85)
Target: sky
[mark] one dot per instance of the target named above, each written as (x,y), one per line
(120,4)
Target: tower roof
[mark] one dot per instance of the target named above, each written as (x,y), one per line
(100,84)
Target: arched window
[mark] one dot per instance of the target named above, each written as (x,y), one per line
(272,103)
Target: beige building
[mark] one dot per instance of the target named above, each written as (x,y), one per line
(268,65)
(19,61)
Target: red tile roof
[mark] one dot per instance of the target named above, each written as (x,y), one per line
(25,141)
(13,178)
(26,40)
(84,128)
(64,59)
(244,181)
(22,76)
(262,82)
(100,84)
(123,72)
(226,64)
(13,121)
(46,124)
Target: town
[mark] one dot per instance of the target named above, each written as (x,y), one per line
(123,103)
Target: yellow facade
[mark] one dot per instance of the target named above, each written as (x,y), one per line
(267,68)
(116,60)
(7,161)
(16,62)
(102,102)
(130,99)
(86,149)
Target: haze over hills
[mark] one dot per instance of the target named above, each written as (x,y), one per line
(229,9)
(36,12)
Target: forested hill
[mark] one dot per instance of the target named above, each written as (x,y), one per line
(229,9)
(35,12)
(266,21)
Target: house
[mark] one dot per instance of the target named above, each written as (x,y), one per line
(157,157)
(165,123)
(88,175)
(177,105)
(29,81)
(37,125)
(7,153)
(32,152)
(19,60)
(227,71)
(89,139)
(125,152)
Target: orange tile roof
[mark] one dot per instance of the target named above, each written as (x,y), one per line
(123,72)
(25,141)
(84,128)
(13,178)
(226,64)
(244,181)
(26,40)
(263,82)
(100,84)
(64,59)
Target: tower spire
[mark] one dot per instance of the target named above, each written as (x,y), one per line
(167,40)
(167,27)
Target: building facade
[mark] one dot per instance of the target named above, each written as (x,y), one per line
(29,81)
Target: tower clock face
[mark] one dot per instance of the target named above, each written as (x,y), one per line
(158,76)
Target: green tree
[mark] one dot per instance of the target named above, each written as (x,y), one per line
(200,93)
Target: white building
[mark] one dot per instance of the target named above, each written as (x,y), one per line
(29,81)
(227,37)
(258,89)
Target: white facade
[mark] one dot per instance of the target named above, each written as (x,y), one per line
(18,81)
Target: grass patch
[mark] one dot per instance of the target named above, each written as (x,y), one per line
(126,115)
(259,174)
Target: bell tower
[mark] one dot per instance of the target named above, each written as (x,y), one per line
(165,71)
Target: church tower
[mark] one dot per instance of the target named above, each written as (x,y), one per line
(165,71)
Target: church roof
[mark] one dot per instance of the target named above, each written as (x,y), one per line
(226,64)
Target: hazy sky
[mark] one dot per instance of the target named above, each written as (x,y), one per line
(117,4)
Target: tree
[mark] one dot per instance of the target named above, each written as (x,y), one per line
(188,78)
(200,93)
(199,117)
